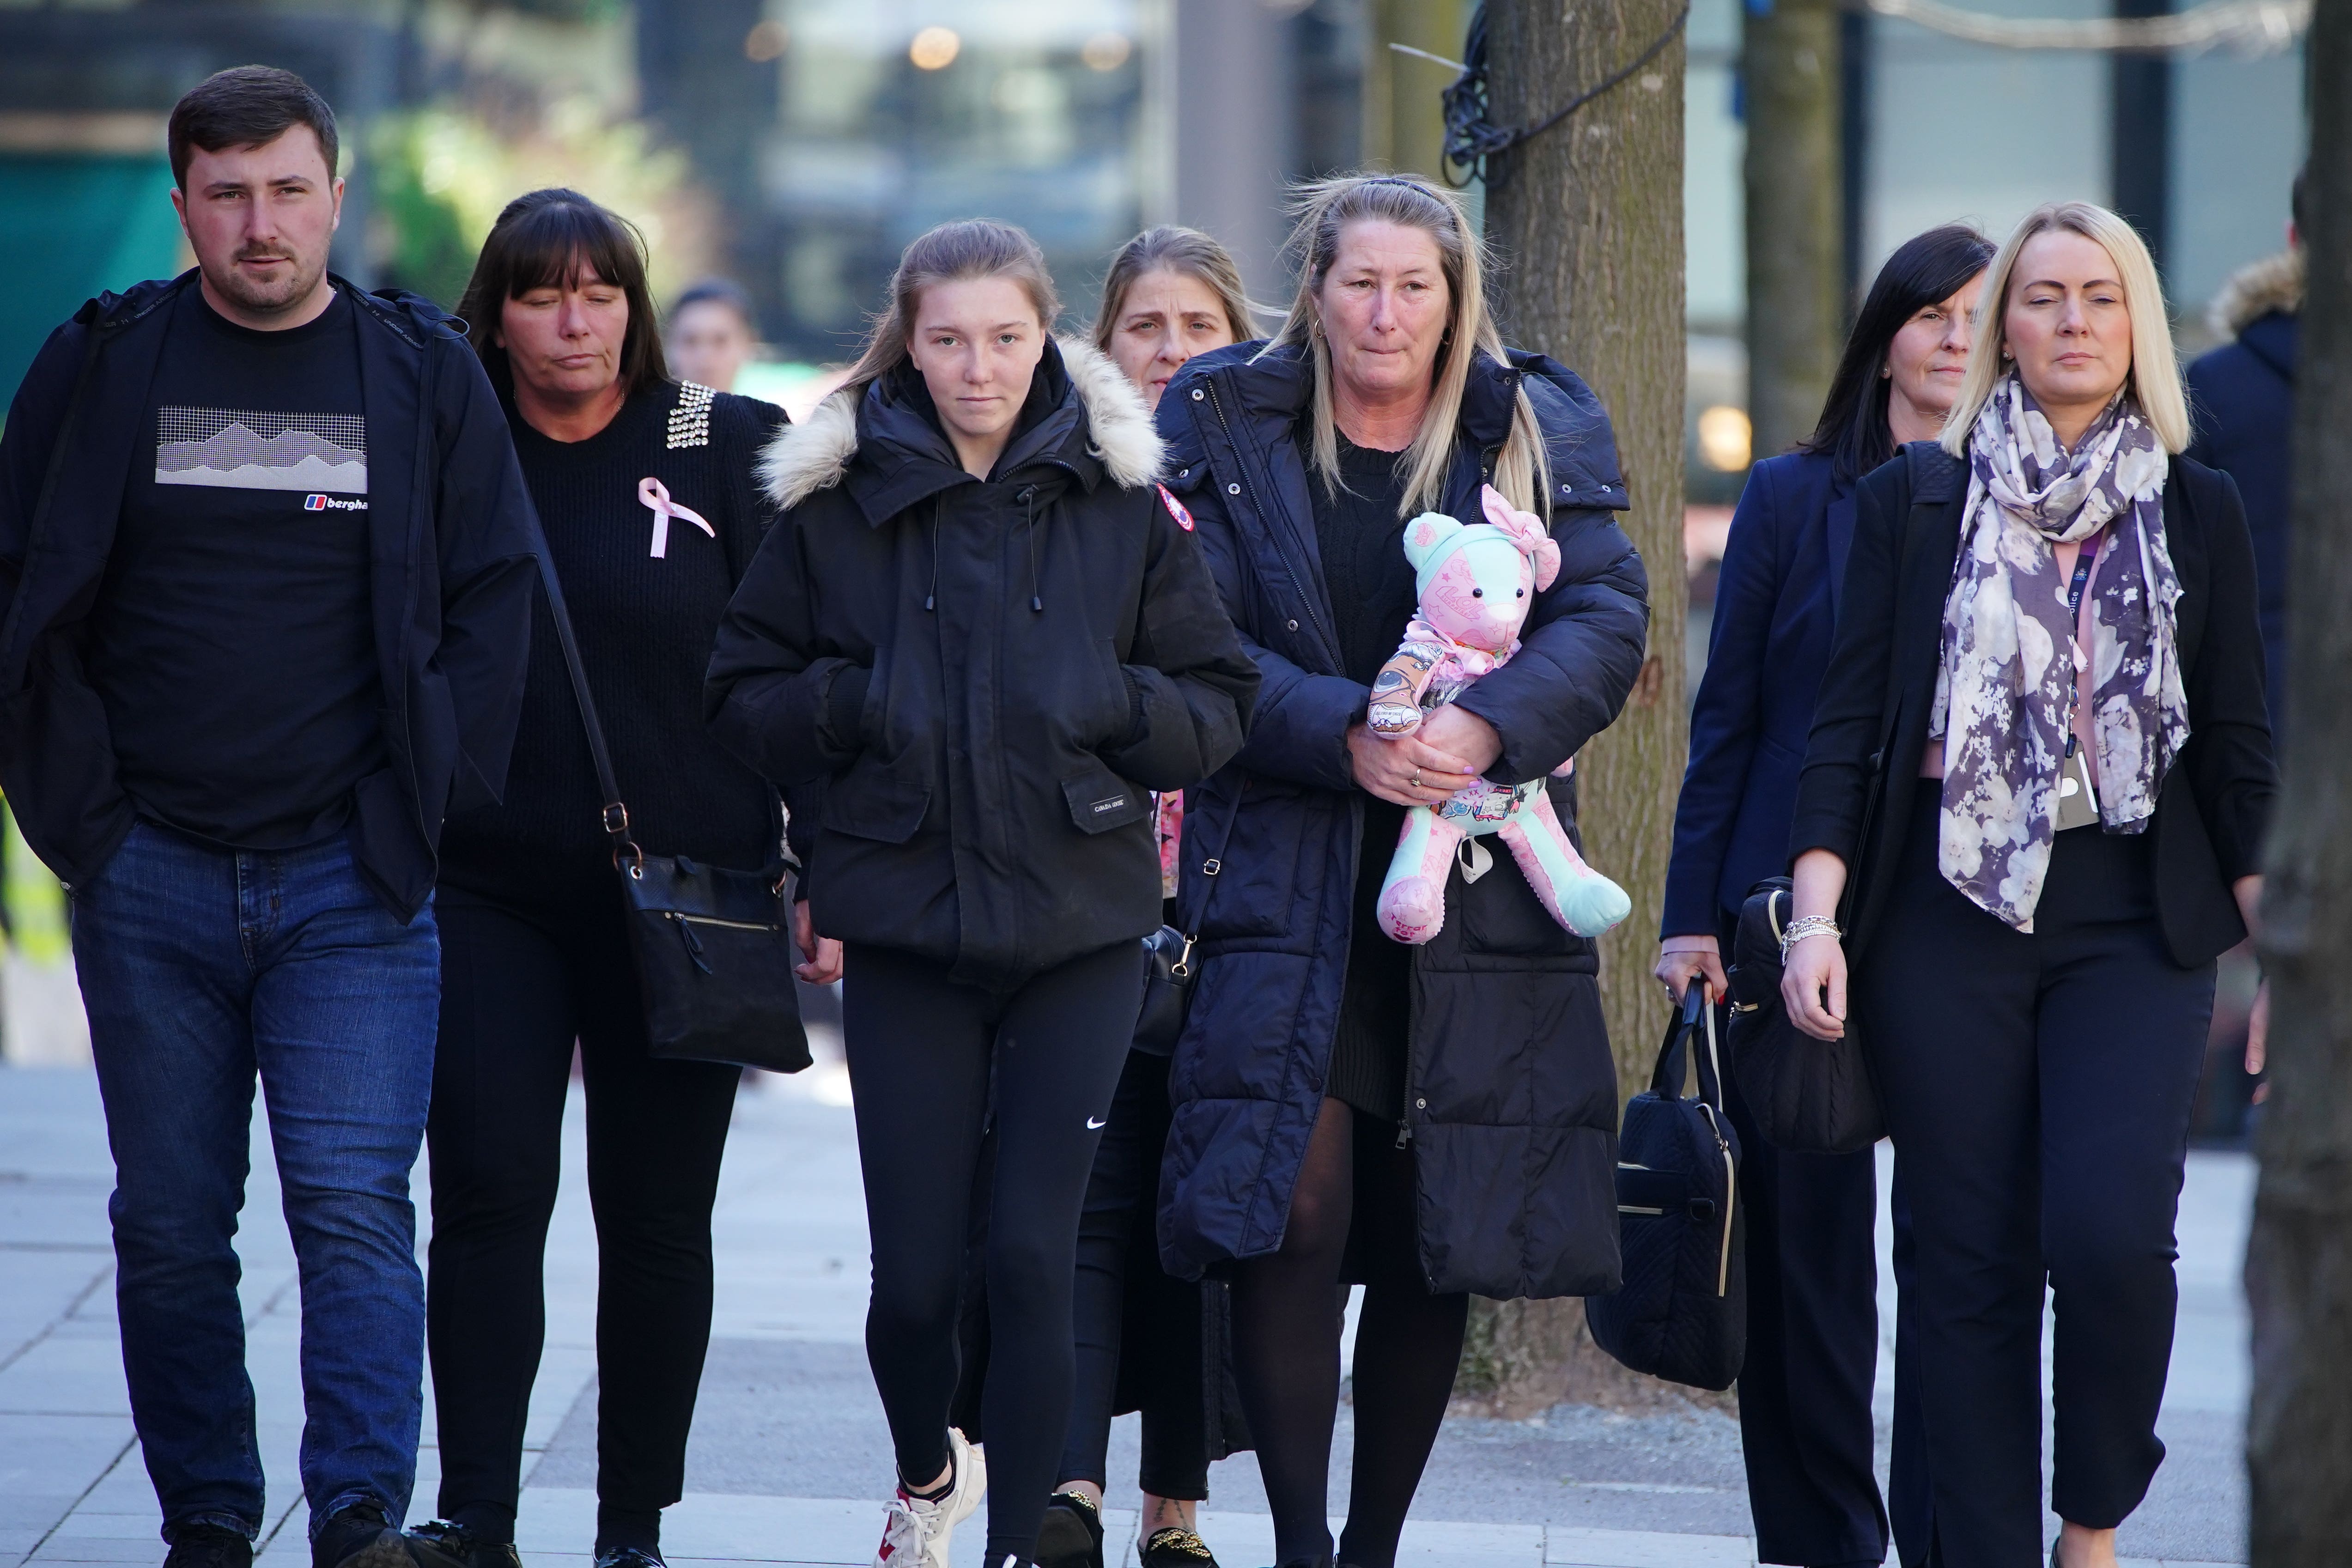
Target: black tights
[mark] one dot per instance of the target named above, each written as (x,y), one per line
(1352,1217)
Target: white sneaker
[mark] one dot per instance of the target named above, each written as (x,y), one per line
(916,1532)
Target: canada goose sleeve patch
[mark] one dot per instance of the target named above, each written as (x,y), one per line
(1175,508)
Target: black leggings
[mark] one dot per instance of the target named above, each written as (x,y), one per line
(519,983)
(1351,1218)
(925,1054)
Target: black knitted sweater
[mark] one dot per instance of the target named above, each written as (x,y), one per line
(645,624)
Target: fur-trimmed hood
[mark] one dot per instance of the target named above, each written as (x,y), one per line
(2257,290)
(813,455)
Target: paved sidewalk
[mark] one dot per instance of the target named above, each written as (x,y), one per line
(788,1455)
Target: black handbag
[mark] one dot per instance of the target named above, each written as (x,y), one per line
(1806,1095)
(1167,967)
(1682,1312)
(713,947)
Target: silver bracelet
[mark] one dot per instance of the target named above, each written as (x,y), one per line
(1811,925)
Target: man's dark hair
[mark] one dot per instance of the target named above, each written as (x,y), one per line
(718,291)
(1923,270)
(552,239)
(246,106)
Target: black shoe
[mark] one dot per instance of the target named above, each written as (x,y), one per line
(1072,1533)
(442,1544)
(359,1535)
(629,1557)
(208,1546)
(1174,1548)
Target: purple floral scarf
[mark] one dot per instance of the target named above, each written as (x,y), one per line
(2003,696)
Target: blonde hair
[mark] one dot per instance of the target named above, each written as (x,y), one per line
(1325,209)
(1188,253)
(2155,378)
(951,253)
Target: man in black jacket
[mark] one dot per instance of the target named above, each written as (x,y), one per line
(266,553)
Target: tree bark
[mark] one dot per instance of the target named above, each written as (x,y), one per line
(1796,233)
(1588,219)
(2299,1261)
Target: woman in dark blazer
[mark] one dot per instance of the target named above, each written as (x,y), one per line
(2042,748)
(1813,1289)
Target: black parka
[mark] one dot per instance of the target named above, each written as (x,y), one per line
(1511,1094)
(965,687)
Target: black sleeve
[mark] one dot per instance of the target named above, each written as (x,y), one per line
(768,695)
(1578,656)
(1191,685)
(35,421)
(489,570)
(1851,713)
(2228,756)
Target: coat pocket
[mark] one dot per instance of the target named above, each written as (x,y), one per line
(874,800)
(1099,800)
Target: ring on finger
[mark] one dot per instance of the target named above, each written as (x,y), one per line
(1416,779)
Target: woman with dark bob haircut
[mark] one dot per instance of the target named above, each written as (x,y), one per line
(645,489)
(1813,1287)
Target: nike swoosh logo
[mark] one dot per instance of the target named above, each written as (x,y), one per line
(1095,1123)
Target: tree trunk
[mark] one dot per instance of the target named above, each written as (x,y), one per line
(2299,1262)
(1796,233)
(1588,219)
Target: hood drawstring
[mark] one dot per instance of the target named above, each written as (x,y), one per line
(932,599)
(1029,502)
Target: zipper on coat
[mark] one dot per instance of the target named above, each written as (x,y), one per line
(1297,578)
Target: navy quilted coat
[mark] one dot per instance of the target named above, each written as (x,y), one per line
(1512,1093)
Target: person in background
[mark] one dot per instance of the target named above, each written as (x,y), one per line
(2241,410)
(2041,756)
(650,513)
(1813,1289)
(1171,293)
(975,639)
(711,334)
(248,662)
(1425,1120)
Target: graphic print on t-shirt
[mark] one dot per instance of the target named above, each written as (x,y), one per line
(246,449)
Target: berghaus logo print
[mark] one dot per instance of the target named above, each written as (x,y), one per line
(249,450)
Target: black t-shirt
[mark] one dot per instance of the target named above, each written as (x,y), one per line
(1361,541)
(233,644)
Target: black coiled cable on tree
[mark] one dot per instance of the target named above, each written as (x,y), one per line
(1472,139)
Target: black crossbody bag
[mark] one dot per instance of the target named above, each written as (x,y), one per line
(713,947)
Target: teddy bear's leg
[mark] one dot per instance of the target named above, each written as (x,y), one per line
(1412,895)
(1579,896)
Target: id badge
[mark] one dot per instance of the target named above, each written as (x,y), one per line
(2078,804)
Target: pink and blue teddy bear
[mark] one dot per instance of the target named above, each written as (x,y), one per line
(1476,583)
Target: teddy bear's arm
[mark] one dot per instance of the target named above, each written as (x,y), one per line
(1395,707)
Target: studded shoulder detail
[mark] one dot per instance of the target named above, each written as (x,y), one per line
(689,417)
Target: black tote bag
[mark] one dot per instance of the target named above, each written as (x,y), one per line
(1806,1095)
(713,946)
(1682,1312)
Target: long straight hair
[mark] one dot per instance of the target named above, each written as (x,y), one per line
(1188,253)
(1924,271)
(1325,209)
(552,239)
(2155,378)
(951,253)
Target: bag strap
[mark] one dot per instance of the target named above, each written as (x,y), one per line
(1666,1079)
(1183,967)
(615,815)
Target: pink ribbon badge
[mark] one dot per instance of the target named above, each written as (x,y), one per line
(656,496)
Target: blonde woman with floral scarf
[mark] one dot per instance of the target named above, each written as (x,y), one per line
(2031,817)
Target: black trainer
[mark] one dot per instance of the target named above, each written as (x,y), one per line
(1173,1548)
(442,1544)
(208,1546)
(1071,1535)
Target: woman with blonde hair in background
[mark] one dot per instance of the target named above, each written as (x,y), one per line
(1171,293)
(2031,815)
(1426,1120)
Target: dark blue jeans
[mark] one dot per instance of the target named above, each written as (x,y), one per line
(199,967)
